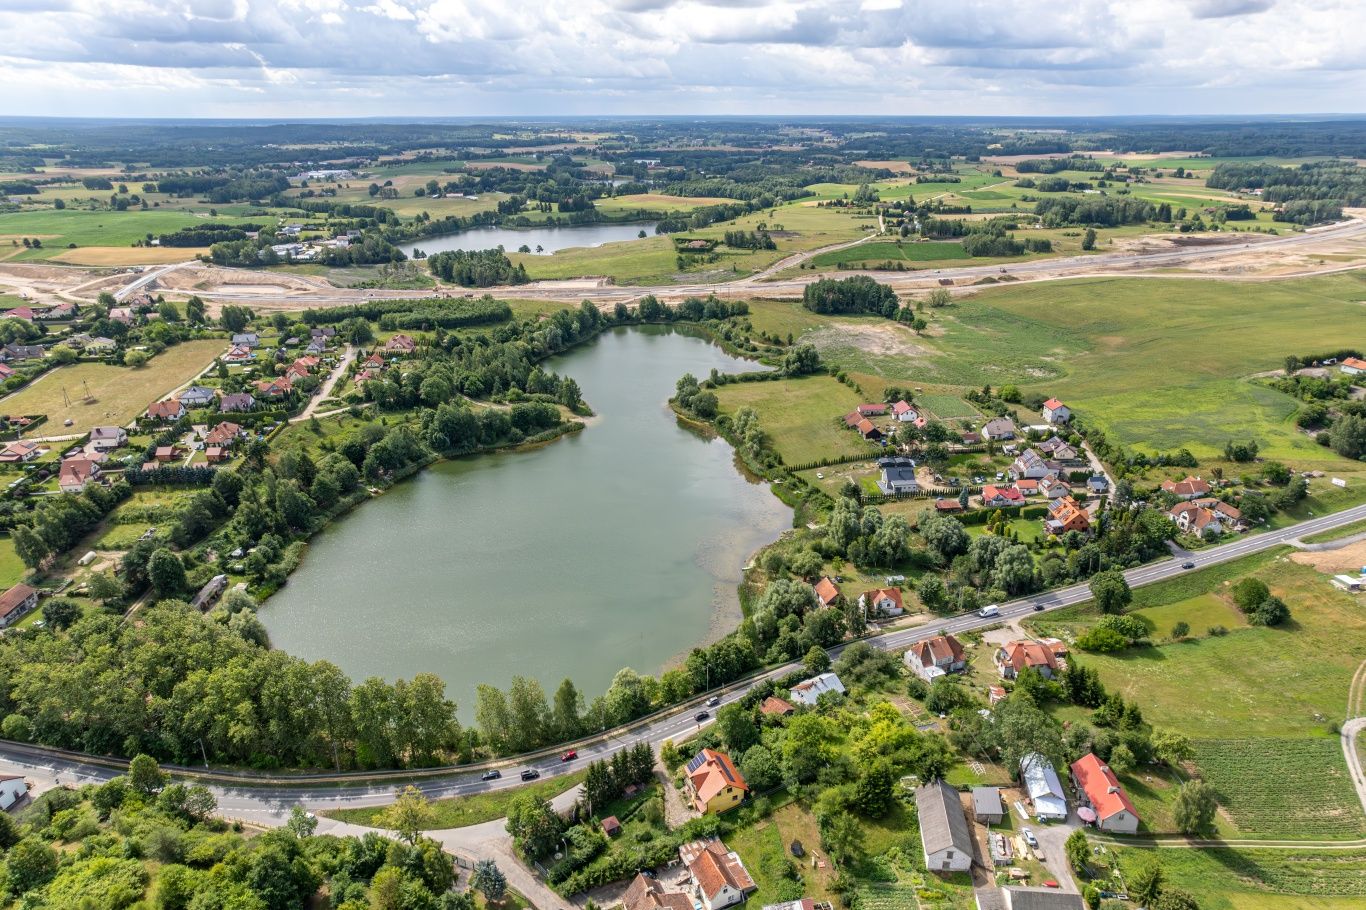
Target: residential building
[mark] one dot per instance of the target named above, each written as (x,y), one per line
(224,435)
(236,401)
(1352,366)
(898,476)
(1190,488)
(1029,465)
(164,454)
(19,312)
(21,451)
(6,371)
(100,343)
(400,344)
(827,592)
(197,396)
(274,389)
(999,428)
(121,314)
(1057,447)
(1206,516)
(1045,655)
(168,411)
(881,602)
(76,474)
(1097,483)
(59,311)
(808,692)
(713,783)
(1018,897)
(1098,787)
(774,706)
(215,454)
(903,412)
(247,339)
(13,788)
(719,877)
(867,430)
(987,807)
(936,656)
(1055,412)
(238,354)
(104,439)
(944,833)
(646,893)
(1054,487)
(1001,497)
(1066,515)
(1027,487)
(971,438)
(16,603)
(1042,786)
(22,352)
(871,410)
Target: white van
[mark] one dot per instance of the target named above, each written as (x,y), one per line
(989,610)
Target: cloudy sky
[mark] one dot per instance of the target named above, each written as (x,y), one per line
(329,58)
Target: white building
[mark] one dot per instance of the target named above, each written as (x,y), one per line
(12,789)
(807,692)
(1055,412)
(1044,788)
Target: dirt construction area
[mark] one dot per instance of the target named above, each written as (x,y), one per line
(1348,559)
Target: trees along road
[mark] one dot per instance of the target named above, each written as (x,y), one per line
(267,799)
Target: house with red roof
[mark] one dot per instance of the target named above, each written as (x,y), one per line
(903,411)
(1098,787)
(1190,488)
(867,430)
(1046,655)
(400,344)
(1065,515)
(1001,497)
(1055,412)
(713,783)
(76,473)
(1352,366)
(718,875)
(773,706)
(646,893)
(20,312)
(936,656)
(882,601)
(15,603)
(827,592)
(274,389)
(871,410)
(168,411)
(224,435)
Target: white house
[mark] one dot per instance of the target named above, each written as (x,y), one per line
(102,439)
(197,396)
(719,877)
(999,428)
(12,789)
(944,833)
(1029,466)
(807,692)
(1098,787)
(1352,366)
(1055,412)
(15,603)
(1044,789)
(903,412)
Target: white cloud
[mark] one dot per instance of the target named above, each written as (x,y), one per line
(368,57)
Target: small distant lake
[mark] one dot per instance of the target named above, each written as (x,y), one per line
(621,545)
(549,239)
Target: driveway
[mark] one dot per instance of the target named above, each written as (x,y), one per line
(1051,840)
(330,383)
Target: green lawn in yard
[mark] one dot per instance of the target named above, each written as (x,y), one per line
(120,393)
(1261,879)
(947,407)
(765,848)
(475,809)
(12,569)
(1201,613)
(802,417)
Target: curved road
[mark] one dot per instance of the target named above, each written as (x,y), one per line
(1038,269)
(265,800)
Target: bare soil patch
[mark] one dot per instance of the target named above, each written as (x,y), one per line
(889,340)
(1348,559)
(127,255)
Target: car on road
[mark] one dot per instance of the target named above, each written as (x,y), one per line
(1029,837)
(713,701)
(701,716)
(530,774)
(989,610)
(491,775)
(570,755)
(1188,565)
(1038,608)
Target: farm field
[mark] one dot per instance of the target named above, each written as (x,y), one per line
(1261,879)
(121,393)
(947,407)
(100,229)
(656,202)
(883,251)
(802,417)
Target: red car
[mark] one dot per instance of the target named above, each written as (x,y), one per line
(569,756)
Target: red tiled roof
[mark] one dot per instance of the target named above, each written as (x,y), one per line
(1191,486)
(891,594)
(775,705)
(1053,404)
(1355,363)
(1022,654)
(932,650)
(826,591)
(865,426)
(168,408)
(715,774)
(1010,494)
(714,869)
(11,599)
(872,410)
(1102,788)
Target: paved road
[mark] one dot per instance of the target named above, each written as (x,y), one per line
(1039,269)
(268,802)
(330,383)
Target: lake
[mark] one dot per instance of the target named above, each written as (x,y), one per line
(549,238)
(620,545)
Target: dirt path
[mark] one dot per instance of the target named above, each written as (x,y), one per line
(325,390)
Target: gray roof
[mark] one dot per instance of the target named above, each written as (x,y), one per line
(1040,899)
(987,801)
(943,825)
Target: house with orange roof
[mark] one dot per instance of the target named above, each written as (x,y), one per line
(1066,515)
(827,592)
(1098,787)
(1001,497)
(718,876)
(400,344)
(1352,366)
(1055,412)
(1206,516)
(713,783)
(646,893)
(274,388)
(1046,655)
(76,473)
(867,430)
(167,411)
(1190,488)
(224,435)
(936,656)
(882,601)
(1027,486)
(773,706)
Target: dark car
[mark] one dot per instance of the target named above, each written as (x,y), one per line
(570,755)
(1038,608)
(1188,565)
(492,775)
(701,716)
(530,774)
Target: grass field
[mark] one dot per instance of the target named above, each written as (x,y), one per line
(656,202)
(1258,879)
(12,568)
(884,251)
(947,407)
(801,417)
(121,393)
(460,811)
(102,229)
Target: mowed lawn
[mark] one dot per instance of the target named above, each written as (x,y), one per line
(1262,879)
(120,393)
(883,251)
(803,418)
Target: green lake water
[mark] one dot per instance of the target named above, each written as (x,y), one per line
(621,545)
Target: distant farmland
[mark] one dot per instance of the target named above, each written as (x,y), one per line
(887,251)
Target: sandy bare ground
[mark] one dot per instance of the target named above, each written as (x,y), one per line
(1347,559)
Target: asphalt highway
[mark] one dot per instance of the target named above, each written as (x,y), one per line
(269,801)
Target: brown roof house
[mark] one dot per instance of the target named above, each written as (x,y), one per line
(648,894)
(713,783)
(1045,655)
(935,657)
(16,603)
(719,876)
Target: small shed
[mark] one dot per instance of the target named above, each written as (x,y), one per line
(987,807)
(610,826)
